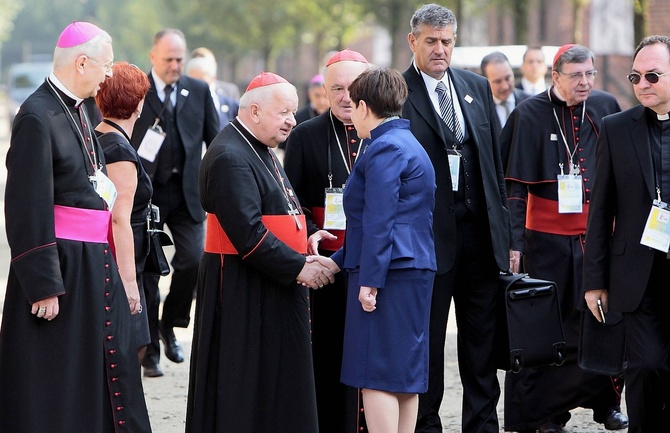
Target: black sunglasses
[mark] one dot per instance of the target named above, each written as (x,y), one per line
(651,77)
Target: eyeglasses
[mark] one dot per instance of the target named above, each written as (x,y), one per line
(590,75)
(107,67)
(651,77)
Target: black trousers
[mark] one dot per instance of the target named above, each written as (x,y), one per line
(188,236)
(473,284)
(648,353)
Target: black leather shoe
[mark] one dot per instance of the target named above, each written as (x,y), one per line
(615,420)
(153,370)
(173,349)
(550,427)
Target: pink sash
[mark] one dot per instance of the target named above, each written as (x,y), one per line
(85,225)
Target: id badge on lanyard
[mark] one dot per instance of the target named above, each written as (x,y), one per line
(104,187)
(656,232)
(334,218)
(151,143)
(569,193)
(454,167)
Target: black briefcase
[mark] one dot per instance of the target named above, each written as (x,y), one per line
(529,331)
(602,346)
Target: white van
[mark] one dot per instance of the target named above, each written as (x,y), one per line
(22,80)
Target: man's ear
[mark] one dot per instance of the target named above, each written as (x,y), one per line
(254,110)
(80,63)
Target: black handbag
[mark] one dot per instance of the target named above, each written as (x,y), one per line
(156,262)
(529,331)
(602,346)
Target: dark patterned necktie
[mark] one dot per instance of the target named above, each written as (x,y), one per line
(447,111)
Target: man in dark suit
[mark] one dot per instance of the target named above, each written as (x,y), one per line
(187,118)
(496,68)
(470,221)
(632,178)
(533,71)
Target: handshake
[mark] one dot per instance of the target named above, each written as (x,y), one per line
(317,272)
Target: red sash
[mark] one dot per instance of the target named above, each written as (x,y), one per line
(282,226)
(318,213)
(542,216)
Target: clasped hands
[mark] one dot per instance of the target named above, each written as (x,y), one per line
(317,272)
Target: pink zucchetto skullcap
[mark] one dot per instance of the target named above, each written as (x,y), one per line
(560,52)
(265,79)
(347,55)
(316,80)
(77,33)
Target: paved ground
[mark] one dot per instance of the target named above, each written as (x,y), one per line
(166,396)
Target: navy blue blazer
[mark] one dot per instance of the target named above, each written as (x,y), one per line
(388,201)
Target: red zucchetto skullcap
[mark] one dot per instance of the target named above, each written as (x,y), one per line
(347,55)
(77,33)
(265,79)
(560,52)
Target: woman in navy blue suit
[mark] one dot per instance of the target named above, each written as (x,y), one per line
(389,256)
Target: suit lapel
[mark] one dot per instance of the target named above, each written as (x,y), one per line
(152,97)
(639,136)
(182,93)
(466,101)
(418,97)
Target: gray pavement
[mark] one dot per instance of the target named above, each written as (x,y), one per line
(166,396)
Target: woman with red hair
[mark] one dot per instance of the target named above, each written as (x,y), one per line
(120,100)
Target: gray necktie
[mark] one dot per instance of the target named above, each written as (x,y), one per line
(448,112)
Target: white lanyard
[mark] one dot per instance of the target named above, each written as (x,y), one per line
(339,146)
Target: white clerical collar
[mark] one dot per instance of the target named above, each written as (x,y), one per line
(60,86)
(248,130)
(662,116)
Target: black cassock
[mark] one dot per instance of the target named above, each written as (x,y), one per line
(533,146)
(78,372)
(251,364)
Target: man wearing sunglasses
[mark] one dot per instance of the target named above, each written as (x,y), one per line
(549,148)
(622,268)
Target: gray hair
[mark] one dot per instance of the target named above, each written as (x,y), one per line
(204,64)
(576,54)
(434,16)
(652,40)
(162,33)
(92,48)
(260,95)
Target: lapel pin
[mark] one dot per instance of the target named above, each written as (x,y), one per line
(184,92)
(468,99)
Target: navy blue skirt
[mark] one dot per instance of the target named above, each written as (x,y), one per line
(387,349)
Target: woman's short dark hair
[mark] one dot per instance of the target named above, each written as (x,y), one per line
(383,89)
(120,94)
